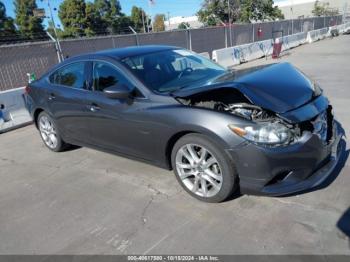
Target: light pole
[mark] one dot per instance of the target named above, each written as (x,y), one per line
(169,19)
(143,20)
(55,30)
(229,21)
(147,23)
(292,10)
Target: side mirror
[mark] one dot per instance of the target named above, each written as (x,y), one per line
(118,91)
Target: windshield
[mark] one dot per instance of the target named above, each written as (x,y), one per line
(170,70)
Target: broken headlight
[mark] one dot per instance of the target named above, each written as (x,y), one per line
(264,133)
(317,89)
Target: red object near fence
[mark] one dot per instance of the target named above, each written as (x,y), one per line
(260,32)
(276,51)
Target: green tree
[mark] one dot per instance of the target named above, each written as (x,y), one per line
(94,23)
(121,24)
(319,8)
(323,9)
(108,9)
(158,24)
(73,18)
(81,18)
(138,18)
(183,25)
(110,13)
(214,12)
(51,30)
(252,10)
(29,26)
(7,28)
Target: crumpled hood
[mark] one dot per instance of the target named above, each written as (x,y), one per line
(278,87)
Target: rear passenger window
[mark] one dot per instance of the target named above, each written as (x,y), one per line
(71,76)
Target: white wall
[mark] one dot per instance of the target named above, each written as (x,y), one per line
(305,7)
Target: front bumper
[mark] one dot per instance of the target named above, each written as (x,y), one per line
(286,170)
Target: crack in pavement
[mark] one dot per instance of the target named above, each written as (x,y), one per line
(155,194)
(8,160)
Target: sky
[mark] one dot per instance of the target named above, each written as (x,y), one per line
(174,7)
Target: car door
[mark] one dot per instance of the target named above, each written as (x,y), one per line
(118,124)
(67,96)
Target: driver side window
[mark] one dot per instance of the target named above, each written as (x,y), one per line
(106,75)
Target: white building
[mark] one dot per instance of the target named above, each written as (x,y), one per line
(298,8)
(174,22)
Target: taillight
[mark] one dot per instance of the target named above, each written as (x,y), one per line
(27,89)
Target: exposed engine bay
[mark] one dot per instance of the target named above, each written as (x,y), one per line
(235,103)
(230,101)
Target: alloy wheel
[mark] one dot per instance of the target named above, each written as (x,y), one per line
(199,170)
(48,132)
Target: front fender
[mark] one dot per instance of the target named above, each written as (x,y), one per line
(176,121)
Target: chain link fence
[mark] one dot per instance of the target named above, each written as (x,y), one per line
(18,60)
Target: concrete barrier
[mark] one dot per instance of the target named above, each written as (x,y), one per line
(205,54)
(239,54)
(347,28)
(266,46)
(292,41)
(235,55)
(296,39)
(254,50)
(226,57)
(13,109)
(316,35)
(344,28)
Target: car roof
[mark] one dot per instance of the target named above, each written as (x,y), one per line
(121,53)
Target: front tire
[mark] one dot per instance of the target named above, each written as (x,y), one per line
(203,169)
(49,133)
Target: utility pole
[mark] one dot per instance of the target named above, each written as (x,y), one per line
(345,8)
(55,30)
(292,10)
(143,20)
(229,21)
(168,19)
(189,36)
(56,47)
(150,3)
(225,32)
(135,33)
(147,23)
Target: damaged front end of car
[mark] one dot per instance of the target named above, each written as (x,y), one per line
(279,114)
(266,127)
(289,129)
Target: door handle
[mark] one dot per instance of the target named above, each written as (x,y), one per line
(52,96)
(94,108)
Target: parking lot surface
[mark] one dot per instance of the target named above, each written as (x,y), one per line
(88,202)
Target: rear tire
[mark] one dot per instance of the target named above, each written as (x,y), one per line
(49,133)
(203,169)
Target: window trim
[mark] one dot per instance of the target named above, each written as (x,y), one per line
(86,64)
(120,71)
